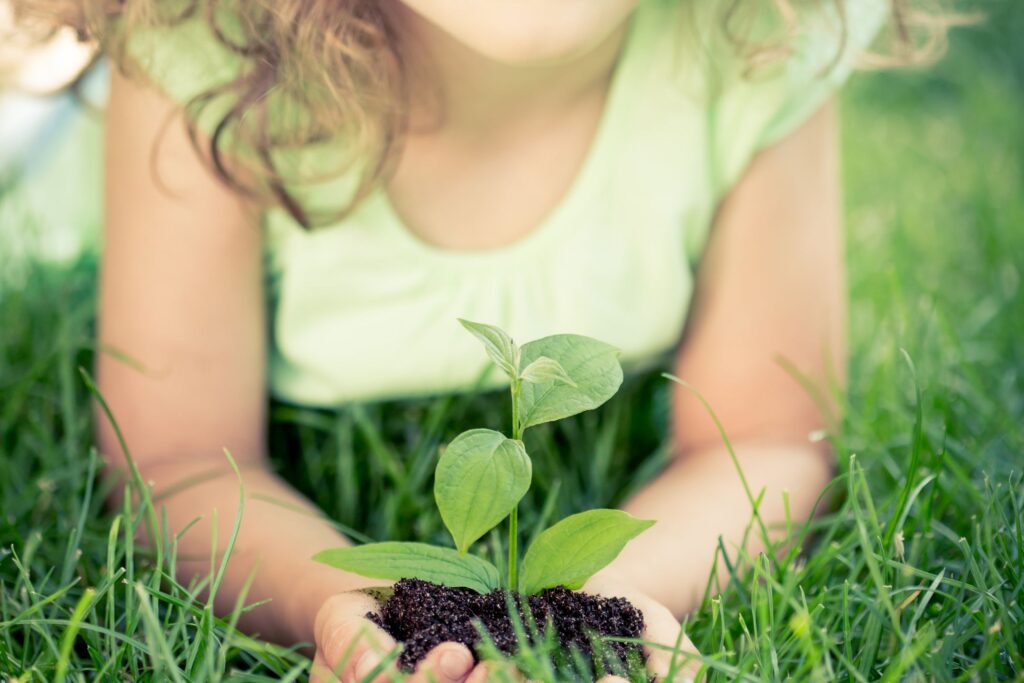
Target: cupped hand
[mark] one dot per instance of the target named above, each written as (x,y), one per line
(661,628)
(505,672)
(349,647)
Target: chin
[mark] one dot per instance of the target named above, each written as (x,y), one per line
(526,31)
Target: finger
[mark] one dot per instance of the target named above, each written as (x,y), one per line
(669,662)
(495,672)
(351,645)
(320,672)
(479,674)
(612,679)
(446,663)
(661,628)
(356,646)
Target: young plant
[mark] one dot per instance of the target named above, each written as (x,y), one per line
(482,475)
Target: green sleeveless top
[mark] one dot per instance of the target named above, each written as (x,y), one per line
(364,310)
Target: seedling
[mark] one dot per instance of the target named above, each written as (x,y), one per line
(482,475)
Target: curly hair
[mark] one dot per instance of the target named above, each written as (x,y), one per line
(338,66)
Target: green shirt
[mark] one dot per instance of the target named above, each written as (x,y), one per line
(365,310)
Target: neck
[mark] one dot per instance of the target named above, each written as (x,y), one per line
(456,88)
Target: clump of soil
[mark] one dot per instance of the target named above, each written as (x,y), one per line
(421,615)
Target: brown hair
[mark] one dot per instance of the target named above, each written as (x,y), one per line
(337,65)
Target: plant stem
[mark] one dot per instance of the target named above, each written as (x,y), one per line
(517,431)
(513,523)
(513,518)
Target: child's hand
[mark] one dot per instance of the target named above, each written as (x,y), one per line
(503,672)
(661,628)
(349,646)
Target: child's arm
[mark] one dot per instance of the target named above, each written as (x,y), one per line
(182,295)
(771,285)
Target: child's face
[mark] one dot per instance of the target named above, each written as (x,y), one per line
(526,31)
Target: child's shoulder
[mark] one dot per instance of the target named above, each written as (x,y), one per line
(761,74)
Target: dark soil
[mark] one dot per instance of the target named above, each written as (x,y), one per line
(421,615)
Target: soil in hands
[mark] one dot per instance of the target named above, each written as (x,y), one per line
(421,615)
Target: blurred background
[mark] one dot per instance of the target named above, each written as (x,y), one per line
(51,98)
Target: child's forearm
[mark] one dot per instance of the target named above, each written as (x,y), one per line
(699,498)
(280,532)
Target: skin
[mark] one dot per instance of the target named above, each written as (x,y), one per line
(181,294)
(520,33)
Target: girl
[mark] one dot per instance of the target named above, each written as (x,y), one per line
(387,166)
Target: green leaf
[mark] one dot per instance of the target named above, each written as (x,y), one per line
(394,561)
(546,369)
(576,548)
(480,477)
(500,347)
(592,366)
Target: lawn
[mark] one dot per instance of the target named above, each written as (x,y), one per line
(915,573)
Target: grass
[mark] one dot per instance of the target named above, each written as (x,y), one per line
(916,573)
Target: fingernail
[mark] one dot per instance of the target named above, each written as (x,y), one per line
(455,664)
(367,663)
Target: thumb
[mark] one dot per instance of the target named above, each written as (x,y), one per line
(671,656)
(349,646)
